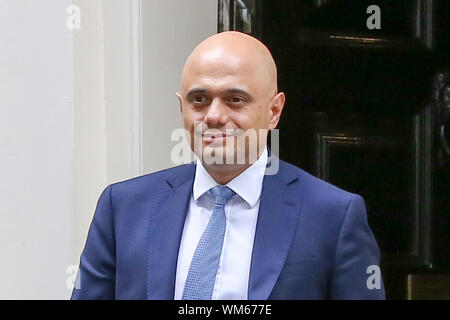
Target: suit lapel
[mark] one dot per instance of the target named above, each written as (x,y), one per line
(277,222)
(166,224)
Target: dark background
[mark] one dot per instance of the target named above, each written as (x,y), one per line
(365,110)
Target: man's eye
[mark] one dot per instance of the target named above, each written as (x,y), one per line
(236,99)
(199,99)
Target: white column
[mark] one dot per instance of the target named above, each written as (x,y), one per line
(171,30)
(36,149)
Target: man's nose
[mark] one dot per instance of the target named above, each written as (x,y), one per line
(217,113)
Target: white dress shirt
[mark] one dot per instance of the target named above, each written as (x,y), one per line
(241,213)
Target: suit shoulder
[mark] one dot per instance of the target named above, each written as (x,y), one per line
(318,190)
(155,180)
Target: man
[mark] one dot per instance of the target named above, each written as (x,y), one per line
(226,230)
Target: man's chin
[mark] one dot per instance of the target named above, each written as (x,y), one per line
(218,155)
(224,167)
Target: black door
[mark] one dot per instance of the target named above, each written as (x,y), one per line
(368,109)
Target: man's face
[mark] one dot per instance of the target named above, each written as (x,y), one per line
(224,96)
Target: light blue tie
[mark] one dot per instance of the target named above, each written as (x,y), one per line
(202,272)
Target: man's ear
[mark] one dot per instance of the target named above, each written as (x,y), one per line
(180,98)
(276,107)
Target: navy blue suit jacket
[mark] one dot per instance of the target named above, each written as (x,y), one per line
(312,239)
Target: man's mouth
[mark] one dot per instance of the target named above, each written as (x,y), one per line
(215,137)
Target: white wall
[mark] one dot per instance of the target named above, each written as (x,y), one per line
(80,109)
(36,145)
(171,30)
(89,159)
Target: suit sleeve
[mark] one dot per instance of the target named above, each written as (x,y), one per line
(356,273)
(96,274)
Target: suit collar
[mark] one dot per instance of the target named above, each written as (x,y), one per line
(181,174)
(247,185)
(277,222)
(275,230)
(166,222)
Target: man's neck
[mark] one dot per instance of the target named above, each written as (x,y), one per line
(224,173)
(224,176)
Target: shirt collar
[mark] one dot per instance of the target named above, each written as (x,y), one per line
(247,185)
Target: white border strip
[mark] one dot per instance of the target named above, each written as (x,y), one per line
(136,86)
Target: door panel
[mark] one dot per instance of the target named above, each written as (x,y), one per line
(365,110)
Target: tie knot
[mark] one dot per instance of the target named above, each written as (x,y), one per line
(221,194)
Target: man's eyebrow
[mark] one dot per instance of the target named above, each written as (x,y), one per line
(238,91)
(195,91)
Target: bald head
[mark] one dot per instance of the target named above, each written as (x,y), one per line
(229,86)
(233,52)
